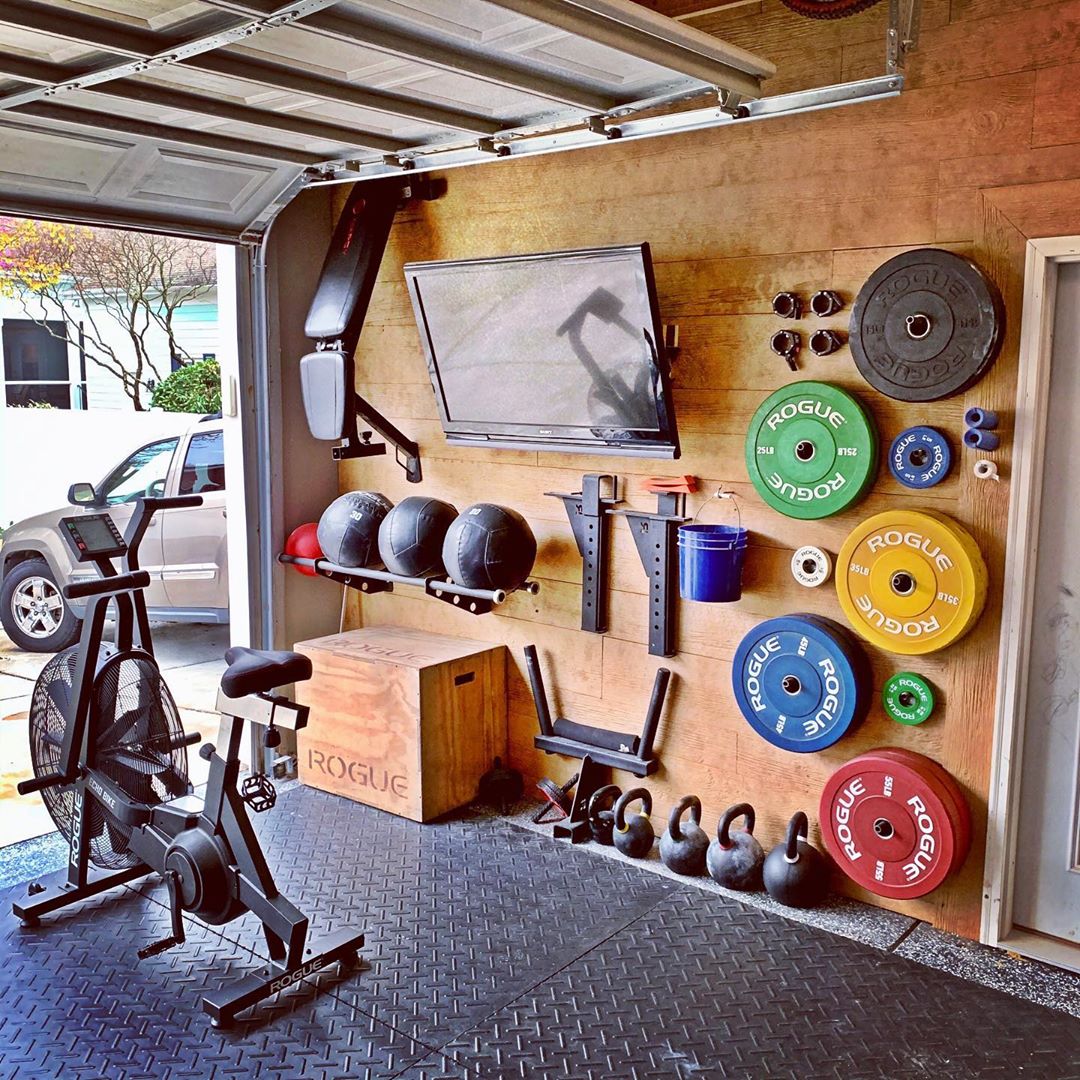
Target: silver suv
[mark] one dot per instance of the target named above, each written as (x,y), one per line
(184,549)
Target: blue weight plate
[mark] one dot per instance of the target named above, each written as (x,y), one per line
(798,683)
(852,648)
(920,457)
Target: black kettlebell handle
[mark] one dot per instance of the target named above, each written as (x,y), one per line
(723,834)
(687,802)
(797,830)
(626,799)
(602,799)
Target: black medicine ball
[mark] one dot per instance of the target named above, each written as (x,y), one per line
(349,528)
(489,547)
(411,536)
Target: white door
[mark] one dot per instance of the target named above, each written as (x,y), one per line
(1046,896)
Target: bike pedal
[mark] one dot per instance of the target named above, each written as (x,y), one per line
(159,947)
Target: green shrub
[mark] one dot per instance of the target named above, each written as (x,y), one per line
(194,388)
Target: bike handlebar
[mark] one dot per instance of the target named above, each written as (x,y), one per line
(118,583)
(25,787)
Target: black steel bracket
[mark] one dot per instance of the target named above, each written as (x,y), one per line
(561,736)
(591,777)
(587,511)
(656,538)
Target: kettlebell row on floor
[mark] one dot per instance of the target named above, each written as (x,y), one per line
(794,872)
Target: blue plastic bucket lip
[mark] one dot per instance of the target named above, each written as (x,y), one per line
(712,537)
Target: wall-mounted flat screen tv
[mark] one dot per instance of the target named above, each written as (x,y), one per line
(558,351)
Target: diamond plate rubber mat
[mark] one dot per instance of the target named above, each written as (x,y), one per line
(703,987)
(492,951)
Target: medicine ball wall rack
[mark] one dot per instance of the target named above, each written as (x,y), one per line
(474,601)
(634,753)
(586,510)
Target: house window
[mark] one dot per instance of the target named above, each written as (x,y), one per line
(36,364)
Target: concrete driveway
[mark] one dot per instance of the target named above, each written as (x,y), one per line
(192,657)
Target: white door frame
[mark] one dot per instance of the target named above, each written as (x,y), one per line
(1043,258)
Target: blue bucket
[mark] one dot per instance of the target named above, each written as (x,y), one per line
(711,562)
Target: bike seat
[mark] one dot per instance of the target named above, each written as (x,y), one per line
(257,671)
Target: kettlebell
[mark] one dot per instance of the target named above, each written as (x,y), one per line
(500,786)
(633,836)
(601,816)
(735,858)
(682,847)
(795,872)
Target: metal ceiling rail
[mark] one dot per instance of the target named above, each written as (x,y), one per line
(420,49)
(636,31)
(148,50)
(826,97)
(46,74)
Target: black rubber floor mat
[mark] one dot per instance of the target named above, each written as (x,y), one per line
(75,1002)
(460,916)
(704,987)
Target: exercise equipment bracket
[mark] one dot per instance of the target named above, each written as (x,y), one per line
(474,601)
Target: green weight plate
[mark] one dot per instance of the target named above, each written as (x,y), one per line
(908,698)
(811,450)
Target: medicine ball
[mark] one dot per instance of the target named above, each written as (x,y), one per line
(303,541)
(411,536)
(349,528)
(489,547)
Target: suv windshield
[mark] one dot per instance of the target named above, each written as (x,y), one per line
(143,473)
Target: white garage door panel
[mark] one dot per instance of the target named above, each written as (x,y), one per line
(34,160)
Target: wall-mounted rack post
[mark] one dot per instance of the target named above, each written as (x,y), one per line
(656,538)
(634,753)
(475,601)
(586,510)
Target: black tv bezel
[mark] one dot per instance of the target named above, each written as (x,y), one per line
(663,442)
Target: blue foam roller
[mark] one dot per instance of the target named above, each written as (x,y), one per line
(978,439)
(981,418)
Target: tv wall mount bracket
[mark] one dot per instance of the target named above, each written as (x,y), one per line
(336,317)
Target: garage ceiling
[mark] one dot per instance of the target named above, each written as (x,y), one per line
(205,116)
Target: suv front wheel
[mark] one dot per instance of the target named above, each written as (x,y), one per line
(34,612)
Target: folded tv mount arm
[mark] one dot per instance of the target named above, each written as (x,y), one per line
(336,317)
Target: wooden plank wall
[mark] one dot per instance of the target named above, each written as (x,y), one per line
(733,216)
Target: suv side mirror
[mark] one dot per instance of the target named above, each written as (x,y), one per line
(82,495)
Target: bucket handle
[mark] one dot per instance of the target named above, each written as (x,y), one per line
(721,494)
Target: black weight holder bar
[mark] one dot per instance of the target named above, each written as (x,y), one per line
(634,753)
(336,318)
(474,601)
(586,510)
(656,538)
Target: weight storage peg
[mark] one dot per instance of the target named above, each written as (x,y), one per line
(811,566)
(920,457)
(980,439)
(825,302)
(981,418)
(795,872)
(634,835)
(601,814)
(926,325)
(811,450)
(735,857)
(911,581)
(895,822)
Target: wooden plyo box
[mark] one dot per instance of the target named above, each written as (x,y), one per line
(402,719)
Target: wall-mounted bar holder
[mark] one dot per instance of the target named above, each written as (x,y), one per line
(634,753)
(475,601)
(656,537)
(586,510)
(591,777)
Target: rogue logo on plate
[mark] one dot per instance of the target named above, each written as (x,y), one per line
(811,450)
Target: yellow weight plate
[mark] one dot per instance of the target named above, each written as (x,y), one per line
(911,581)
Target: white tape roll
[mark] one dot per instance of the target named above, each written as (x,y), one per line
(986,470)
(811,566)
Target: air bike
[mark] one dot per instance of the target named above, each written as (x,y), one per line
(110,760)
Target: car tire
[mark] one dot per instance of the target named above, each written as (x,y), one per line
(36,628)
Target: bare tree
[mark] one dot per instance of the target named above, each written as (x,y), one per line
(138,281)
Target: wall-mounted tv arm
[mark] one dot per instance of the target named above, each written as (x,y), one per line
(336,317)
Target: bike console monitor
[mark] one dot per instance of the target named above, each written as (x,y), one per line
(93,537)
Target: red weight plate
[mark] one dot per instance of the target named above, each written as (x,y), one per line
(950,790)
(889,825)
